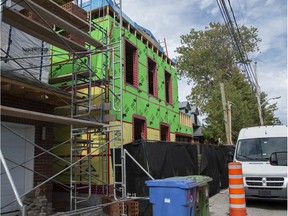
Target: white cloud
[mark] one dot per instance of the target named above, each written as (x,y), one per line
(269,2)
(185,88)
(274,82)
(205,4)
(271,22)
(214,11)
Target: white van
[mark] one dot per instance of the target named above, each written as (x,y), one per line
(254,147)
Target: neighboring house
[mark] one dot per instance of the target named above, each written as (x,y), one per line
(184,107)
(194,113)
(197,127)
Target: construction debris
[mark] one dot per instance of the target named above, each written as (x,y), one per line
(37,204)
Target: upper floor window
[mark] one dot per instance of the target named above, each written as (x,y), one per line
(152,77)
(131,64)
(168,87)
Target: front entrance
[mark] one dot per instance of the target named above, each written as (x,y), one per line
(16,150)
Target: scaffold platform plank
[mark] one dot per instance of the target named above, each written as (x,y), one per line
(62,2)
(66,110)
(58,21)
(64,14)
(21,22)
(27,114)
(67,77)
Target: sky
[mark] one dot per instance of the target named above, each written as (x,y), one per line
(170,19)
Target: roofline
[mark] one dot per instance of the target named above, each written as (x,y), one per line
(140,35)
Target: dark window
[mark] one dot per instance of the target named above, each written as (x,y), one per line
(139,128)
(131,64)
(182,138)
(168,88)
(152,77)
(164,132)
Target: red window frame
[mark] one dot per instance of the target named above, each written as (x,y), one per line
(168,86)
(154,78)
(167,128)
(144,129)
(129,47)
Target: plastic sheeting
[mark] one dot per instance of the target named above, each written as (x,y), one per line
(17,44)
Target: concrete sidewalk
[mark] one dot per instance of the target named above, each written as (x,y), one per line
(219,206)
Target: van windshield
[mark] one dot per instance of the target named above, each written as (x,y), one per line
(260,149)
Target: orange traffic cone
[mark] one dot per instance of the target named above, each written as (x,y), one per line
(236,190)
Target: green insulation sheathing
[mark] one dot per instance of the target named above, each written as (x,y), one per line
(136,101)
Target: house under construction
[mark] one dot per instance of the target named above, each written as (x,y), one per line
(79,80)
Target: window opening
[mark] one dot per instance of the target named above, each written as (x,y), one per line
(164,132)
(140,130)
(182,138)
(152,77)
(131,64)
(168,88)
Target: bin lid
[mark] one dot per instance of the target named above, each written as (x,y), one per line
(170,182)
(200,179)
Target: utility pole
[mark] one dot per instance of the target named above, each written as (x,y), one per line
(224,110)
(258,92)
(229,123)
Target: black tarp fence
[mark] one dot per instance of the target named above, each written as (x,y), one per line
(168,159)
(214,163)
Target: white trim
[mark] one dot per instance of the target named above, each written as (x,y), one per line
(230,166)
(238,206)
(236,186)
(235,196)
(235,176)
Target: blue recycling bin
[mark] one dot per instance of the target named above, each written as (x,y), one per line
(172,197)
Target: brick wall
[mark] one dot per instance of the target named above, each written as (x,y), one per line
(43,163)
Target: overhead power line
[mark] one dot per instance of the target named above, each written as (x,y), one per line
(233,28)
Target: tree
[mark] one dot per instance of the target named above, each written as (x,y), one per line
(208,57)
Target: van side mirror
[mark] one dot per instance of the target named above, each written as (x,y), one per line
(278,159)
(230,156)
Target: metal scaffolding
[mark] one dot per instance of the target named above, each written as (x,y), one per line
(81,138)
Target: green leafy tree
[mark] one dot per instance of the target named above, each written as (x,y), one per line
(208,57)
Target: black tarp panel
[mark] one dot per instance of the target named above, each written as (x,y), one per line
(223,164)
(214,163)
(209,167)
(167,159)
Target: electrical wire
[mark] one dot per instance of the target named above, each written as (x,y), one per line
(236,39)
(241,42)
